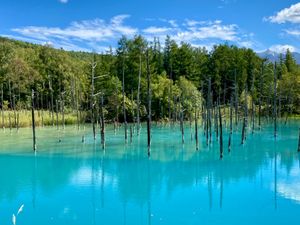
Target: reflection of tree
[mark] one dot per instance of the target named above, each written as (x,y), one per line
(46,173)
(140,179)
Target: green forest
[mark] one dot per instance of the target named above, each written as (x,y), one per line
(172,82)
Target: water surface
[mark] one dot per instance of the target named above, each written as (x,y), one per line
(71,182)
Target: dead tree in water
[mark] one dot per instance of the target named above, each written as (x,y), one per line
(56,111)
(2,107)
(260,94)
(102,123)
(230,132)
(123,93)
(252,103)
(275,102)
(215,112)
(94,64)
(52,100)
(236,98)
(196,129)
(170,92)
(181,120)
(299,141)
(63,108)
(208,108)
(42,104)
(33,121)
(138,97)
(245,119)
(221,131)
(149,104)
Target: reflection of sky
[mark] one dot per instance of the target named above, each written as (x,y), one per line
(86,176)
(288,184)
(176,185)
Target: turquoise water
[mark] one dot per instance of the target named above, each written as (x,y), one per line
(71,182)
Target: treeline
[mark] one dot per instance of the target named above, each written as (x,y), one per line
(183,79)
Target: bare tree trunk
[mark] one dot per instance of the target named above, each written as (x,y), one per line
(2,109)
(207,123)
(236,98)
(56,105)
(252,103)
(10,95)
(42,104)
(216,121)
(123,93)
(93,102)
(181,121)
(196,129)
(209,107)
(275,102)
(138,97)
(245,120)
(279,104)
(260,95)
(149,104)
(230,132)
(299,141)
(15,113)
(221,132)
(33,121)
(63,109)
(170,93)
(9,120)
(52,100)
(243,130)
(77,106)
(132,112)
(102,123)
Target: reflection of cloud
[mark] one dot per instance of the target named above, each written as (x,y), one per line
(85,176)
(288,185)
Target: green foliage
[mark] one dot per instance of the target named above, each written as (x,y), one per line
(179,77)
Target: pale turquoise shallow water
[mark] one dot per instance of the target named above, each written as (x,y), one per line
(75,183)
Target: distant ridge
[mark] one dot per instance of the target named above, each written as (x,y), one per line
(274,56)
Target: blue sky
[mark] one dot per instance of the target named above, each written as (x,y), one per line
(93,25)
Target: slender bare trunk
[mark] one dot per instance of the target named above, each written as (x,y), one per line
(2,108)
(230,131)
(275,102)
(123,93)
(33,121)
(149,104)
(221,131)
(102,123)
(236,98)
(138,97)
(93,102)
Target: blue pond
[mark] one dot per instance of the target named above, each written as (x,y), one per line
(71,182)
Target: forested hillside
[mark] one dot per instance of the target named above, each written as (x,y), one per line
(183,78)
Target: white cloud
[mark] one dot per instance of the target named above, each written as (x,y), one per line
(293,32)
(87,31)
(201,33)
(291,14)
(97,33)
(282,48)
(208,30)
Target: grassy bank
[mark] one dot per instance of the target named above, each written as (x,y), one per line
(42,118)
